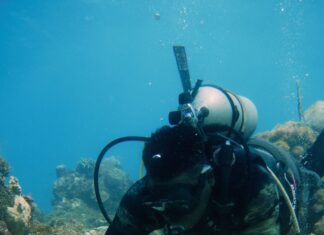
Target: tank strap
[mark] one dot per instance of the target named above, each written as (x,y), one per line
(235,113)
(275,157)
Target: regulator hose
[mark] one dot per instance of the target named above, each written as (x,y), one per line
(97,166)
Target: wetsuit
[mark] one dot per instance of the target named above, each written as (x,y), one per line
(253,208)
(251,202)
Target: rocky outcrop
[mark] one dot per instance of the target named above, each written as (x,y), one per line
(15,209)
(4,171)
(314,116)
(19,216)
(294,137)
(75,208)
(74,197)
(64,228)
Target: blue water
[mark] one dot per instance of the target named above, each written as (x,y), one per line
(76,74)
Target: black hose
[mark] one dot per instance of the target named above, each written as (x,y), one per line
(97,166)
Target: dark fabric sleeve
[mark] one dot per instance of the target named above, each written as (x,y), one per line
(262,213)
(131,217)
(125,224)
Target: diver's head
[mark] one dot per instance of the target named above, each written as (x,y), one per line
(172,150)
(179,177)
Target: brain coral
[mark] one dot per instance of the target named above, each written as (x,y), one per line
(314,116)
(294,137)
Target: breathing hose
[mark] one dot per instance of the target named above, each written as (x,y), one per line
(98,163)
(286,198)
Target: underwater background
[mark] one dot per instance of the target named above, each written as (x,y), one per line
(76,74)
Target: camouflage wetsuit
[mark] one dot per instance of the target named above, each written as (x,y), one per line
(255,209)
(189,189)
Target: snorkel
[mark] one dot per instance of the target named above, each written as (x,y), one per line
(186,113)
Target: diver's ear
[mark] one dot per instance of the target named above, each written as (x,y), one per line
(208,171)
(314,157)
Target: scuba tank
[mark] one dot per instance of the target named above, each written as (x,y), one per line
(212,108)
(226,110)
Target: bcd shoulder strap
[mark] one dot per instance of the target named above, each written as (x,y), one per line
(283,168)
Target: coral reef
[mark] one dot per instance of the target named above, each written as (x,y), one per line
(74,197)
(115,182)
(314,116)
(75,207)
(63,227)
(15,209)
(319,227)
(19,216)
(4,229)
(4,170)
(61,171)
(317,212)
(318,206)
(294,137)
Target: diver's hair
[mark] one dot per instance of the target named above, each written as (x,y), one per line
(172,150)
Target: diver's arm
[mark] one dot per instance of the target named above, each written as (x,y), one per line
(124,224)
(262,213)
(131,218)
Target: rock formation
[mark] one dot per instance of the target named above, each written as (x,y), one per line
(314,116)
(15,209)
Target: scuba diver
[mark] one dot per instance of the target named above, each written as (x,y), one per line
(206,175)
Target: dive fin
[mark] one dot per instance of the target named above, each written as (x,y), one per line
(314,157)
(181,58)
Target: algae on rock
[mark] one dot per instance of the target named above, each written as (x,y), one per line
(314,116)
(15,209)
(74,195)
(294,137)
